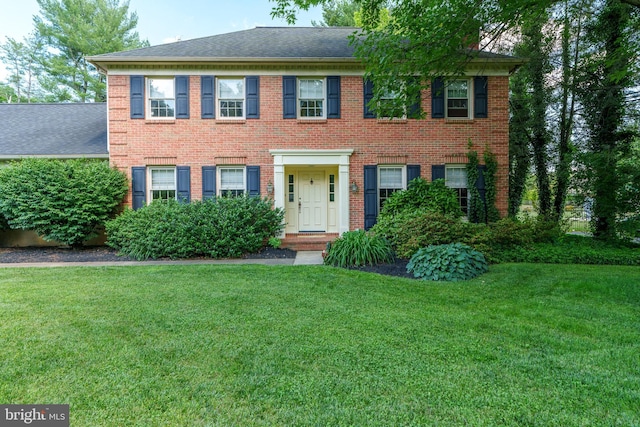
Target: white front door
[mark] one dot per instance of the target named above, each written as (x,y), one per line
(312,202)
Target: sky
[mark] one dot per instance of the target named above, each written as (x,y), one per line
(165,21)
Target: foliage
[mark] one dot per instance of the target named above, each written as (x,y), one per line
(477,211)
(491,190)
(226,227)
(519,150)
(420,194)
(452,262)
(357,248)
(410,230)
(338,13)
(64,201)
(571,250)
(628,170)
(274,242)
(23,61)
(75,29)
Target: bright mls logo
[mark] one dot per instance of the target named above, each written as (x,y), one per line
(34,415)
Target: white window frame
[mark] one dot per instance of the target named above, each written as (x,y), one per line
(468,98)
(403,173)
(220,99)
(458,186)
(300,100)
(393,95)
(222,189)
(153,187)
(149,99)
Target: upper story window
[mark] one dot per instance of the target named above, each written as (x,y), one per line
(231,98)
(232,181)
(456,178)
(388,105)
(390,180)
(311,98)
(457,93)
(161,97)
(163,183)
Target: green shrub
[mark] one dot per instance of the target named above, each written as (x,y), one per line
(65,201)
(357,248)
(409,231)
(420,194)
(274,242)
(451,262)
(220,228)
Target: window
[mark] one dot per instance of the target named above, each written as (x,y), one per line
(311,98)
(456,178)
(232,181)
(231,96)
(388,105)
(162,101)
(163,183)
(390,180)
(457,93)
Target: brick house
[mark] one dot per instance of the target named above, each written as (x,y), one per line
(282,112)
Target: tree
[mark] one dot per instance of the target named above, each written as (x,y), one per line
(24,64)
(75,29)
(338,13)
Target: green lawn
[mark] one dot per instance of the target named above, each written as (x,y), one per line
(216,345)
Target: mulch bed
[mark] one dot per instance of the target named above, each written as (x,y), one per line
(107,254)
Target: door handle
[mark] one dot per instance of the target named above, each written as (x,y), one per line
(299,206)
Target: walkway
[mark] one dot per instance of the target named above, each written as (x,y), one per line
(302,258)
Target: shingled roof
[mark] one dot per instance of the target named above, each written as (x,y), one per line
(257,43)
(53,130)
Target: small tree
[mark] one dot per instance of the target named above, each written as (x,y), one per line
(64,201)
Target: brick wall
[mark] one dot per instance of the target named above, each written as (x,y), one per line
(198,142)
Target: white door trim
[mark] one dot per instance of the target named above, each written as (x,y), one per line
(301,158)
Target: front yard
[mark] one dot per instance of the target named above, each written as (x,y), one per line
(525,344)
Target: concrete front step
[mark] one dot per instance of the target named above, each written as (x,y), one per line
(308,241)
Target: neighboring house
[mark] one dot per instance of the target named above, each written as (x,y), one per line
(282,112)
(59,131)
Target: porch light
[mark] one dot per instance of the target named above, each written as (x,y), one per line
(269,187)
(354,187)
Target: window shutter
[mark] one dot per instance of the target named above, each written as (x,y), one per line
(414,110)
(333,97)
(253,97)
(208,97)
(480,182)
(413,172)
(138,186)
(136,84)
(370,196)
(437,172)
(182,97)
(437,98)
(289,97)
(183,174)
(253,180)
(208,182)
(480,97)
(368,96)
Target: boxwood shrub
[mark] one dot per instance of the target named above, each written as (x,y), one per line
(220,228)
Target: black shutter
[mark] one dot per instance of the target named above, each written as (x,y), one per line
(413,171)
(183,184)
(437,172)
(333,97)
(370,196)
(253,180)
(369,112)
(437,98)
(480,182)
(208,97)
(208,182)
(480,97)
(182,97)
(289,97)
(138,186)
(253,97)
(136,84)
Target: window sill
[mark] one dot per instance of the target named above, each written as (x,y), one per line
(231,121)
(312,121)
(459,120)
(159,121)
(392,121)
